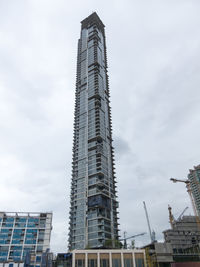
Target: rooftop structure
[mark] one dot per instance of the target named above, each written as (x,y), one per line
(93,211)
(22,233)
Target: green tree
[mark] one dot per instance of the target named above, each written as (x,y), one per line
(112,244)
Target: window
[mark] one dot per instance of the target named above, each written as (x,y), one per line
(104,262)
(38,258)
(92,262)
(116,260)
(128,260)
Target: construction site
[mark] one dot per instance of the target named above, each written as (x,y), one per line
(181,246)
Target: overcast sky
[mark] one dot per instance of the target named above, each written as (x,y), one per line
(154,68)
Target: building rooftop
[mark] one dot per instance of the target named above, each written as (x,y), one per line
(92,19)
(18,214)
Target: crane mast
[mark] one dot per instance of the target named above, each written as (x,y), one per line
(189,190)
(147,217)
(171,217)
(188,186)
(182,213)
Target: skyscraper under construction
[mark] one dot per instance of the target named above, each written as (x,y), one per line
(93,211)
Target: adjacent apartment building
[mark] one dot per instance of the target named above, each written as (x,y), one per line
(93,212)
(22,233)
(194,178)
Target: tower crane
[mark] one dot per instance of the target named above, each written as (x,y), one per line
(188,186)
(171,216)
(130,237)
(179,217)
(151,234)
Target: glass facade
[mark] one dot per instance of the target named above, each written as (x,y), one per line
(24,232)
(194,178)
(93,212)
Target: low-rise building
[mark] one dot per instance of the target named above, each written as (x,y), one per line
(102,258)
(22,233)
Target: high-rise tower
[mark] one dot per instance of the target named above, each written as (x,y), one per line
(93,212)
(194,178)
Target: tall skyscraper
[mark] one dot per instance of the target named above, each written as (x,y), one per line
(194,178)
(93,212)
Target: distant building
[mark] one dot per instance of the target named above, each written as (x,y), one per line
(102,258)
(24,236)
(184,233)
(194,178)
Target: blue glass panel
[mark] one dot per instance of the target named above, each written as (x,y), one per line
(16,259)
(22,220)
(18,230)
(3,253)
(17,248)
(11,219)
(15,241)
(3,230)
(8,225)
(31,230)
(16,253)
(27,248)
(3,235)
(38,258)
(3,258)
(16,236)
(39,248)
(36,220)
(31,225)
(29,235)
(2,241)
(30,241)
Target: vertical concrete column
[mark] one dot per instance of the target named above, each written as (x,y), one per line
(134,264)
(110,258)
(73,259)
(98,259)
(122,259)
(145,259)
(86,259)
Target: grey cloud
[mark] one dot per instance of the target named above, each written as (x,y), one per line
(153,57)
